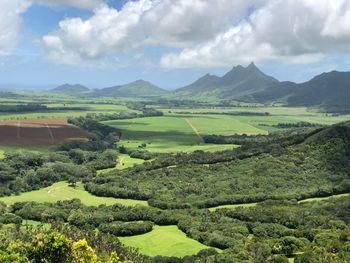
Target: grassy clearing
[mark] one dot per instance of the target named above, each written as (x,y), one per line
(212,209)
(164,241)
(307,200)
(61,191)
(322,198)
(124,162)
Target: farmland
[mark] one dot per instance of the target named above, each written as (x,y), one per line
(181,128)
(174,133)
(38,132)
(62,191)
(154,186)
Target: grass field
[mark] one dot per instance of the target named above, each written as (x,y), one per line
(164,241)
(84,105)
(322,198)
(176,133)
(182,132)
(61,191)
(124,162)
(307,200)
(212,209)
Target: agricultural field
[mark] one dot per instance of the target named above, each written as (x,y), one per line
(38,132)
(175,133)
(75,108)
(164,241)
(277,113)
(62,191)
(181,128)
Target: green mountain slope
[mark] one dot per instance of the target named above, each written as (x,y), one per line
(69,89)
(139,88)
(330,91)
(238,83)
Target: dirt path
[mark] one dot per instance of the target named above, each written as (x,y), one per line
(193,128)
(50,132)
(18,130)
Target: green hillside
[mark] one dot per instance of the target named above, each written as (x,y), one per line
(139,88)
(69,89)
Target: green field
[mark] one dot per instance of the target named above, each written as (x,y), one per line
(314,199)
(61,191)
(322,198)
(83,107)
(212,209)
(164,241)
(182,132)
(124,162)
(177,133)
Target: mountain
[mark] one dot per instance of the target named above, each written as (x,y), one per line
(330,91)
(138,88)
(238,83)
(69,89)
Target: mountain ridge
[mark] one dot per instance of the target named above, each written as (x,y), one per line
(137,88)
(329,90)
(71,89)
(238,82)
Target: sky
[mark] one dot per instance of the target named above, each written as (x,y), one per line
(101,43)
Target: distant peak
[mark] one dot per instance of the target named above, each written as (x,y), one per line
(139,81)
(252,65)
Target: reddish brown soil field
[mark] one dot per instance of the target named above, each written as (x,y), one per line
(38,132)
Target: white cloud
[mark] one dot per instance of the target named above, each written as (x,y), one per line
(174,23)
(10,22)
(288,31)
(208,33)
(85,4)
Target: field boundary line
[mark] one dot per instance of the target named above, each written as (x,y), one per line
(194,128)
(18,130)
(50,132)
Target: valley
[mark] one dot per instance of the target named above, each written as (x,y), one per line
(176,181)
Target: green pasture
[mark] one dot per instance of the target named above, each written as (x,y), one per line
(61,191)
(174,133)
(322,198)
(307,200)
(212,209)
(164,241)
(124,161)
(277,114)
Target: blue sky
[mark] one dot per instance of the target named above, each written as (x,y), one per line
(170,43)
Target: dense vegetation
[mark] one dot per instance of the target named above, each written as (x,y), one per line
(274,171)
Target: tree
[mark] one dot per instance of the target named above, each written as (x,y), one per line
(83,253)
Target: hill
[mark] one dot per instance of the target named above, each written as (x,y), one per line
(69,89)
(330,91)
(138,88)
(238,83)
